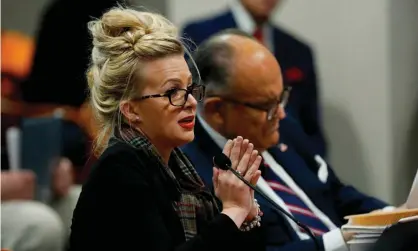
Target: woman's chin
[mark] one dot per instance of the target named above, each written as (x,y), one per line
(185,138)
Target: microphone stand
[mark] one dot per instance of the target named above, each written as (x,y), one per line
(223,162)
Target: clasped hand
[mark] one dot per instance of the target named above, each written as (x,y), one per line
(231,190)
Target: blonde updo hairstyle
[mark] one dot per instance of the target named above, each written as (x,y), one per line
(123,40)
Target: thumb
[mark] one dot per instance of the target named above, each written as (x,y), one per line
(215,177)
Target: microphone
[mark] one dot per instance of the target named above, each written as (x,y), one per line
(221,161)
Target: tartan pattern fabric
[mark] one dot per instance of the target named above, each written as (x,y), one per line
(195,204)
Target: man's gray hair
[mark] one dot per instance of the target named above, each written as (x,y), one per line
(214,58)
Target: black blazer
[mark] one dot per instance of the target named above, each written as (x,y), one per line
(125,205)
(332,197)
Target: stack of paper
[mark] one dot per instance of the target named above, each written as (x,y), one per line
(364,236)
(367,228)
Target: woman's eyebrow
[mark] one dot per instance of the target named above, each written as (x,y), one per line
(176,79)
(170,80)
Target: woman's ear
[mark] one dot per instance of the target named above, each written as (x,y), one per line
(128,111)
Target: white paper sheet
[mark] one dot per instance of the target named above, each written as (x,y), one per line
(364,229)
(412,201)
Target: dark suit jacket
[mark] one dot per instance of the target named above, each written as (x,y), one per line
(296,61)
(126,205)
(333,198)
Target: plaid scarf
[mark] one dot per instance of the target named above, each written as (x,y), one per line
(195,206)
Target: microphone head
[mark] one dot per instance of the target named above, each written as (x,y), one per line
(222,161)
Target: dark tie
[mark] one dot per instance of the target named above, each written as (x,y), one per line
(296,206)
(258,34)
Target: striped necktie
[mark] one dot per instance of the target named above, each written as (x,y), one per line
(295,204)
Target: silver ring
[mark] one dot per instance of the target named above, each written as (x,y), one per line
(239,172)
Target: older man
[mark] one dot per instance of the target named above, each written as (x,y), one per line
(295,57)
(245,97)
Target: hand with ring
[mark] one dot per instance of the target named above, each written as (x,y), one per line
(237,198)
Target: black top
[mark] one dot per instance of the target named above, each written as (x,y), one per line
(125,205)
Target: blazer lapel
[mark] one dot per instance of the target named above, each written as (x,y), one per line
(298,169)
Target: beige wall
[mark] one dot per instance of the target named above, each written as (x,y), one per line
(22,15)
(25,15)
(404,89)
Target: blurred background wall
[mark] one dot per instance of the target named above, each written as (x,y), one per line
(367,55)
(24,15)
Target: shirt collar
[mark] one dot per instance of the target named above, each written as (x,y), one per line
(242,17)
(215,136)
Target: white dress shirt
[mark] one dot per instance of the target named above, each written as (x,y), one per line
(246,23)
(333,240)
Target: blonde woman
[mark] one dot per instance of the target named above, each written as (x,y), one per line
(143,193)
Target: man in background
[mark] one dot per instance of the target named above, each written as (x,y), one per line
(295,57)
(245,97)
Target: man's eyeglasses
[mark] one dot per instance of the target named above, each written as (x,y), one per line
(270,109)
(178,96)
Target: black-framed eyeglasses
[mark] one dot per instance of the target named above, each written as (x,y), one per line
(178,96)
(270,109)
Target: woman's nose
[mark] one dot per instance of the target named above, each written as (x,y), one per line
(191,102)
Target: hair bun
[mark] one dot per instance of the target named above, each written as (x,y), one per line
(118,21)
(122,29)
(122,40)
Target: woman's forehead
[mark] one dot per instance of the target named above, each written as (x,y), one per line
(162,69)
(166,65)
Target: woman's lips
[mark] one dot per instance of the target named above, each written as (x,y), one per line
(187,123)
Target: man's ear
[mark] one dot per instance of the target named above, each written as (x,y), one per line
(128,111)
(213,109)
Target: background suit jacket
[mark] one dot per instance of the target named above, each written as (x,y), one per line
(296,62)
(332,197)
